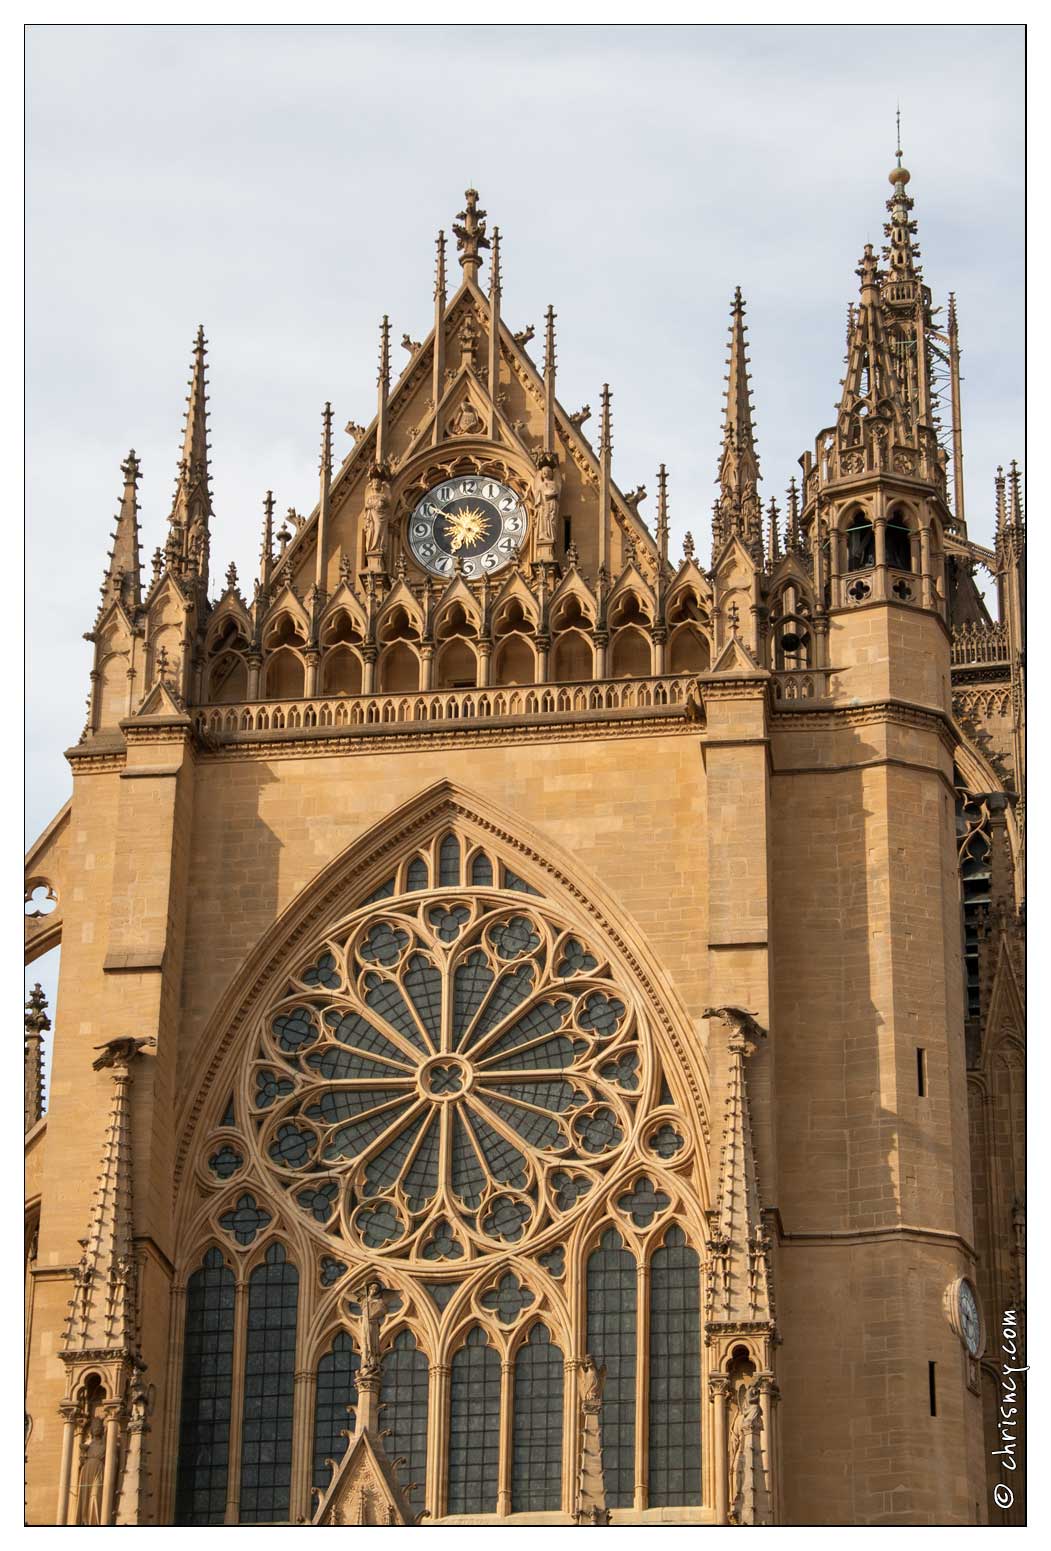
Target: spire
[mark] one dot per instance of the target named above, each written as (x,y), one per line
(37,1025)
(123,575)
(266,551)
(438,379)
(906,299)
(605,464)
(740,511)
(470,235)
(740,1287)
(774,539)
(192,507)
(549,379)
(871,380)
(1015,509)
(323,499)
(1000,487)
(793,539)
(102,1311)
(957,426)
(662,518)
(899,231)
(494,330)
(383,381)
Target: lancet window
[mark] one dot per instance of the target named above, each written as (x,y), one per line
(457,1093)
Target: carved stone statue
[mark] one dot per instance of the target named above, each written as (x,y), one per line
(467,421)
(374,1309)
(547,492)
(591,1489)
(92,1466)
(746,1423)
(377,510)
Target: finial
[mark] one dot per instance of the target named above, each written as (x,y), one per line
(688,546)
(266,550)
(606,424)
(549,340)
(37,1020)
(662,513)
(470,234)
(793,515)
(158,563)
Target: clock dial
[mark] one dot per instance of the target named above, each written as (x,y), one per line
(472,518)
(970,1319)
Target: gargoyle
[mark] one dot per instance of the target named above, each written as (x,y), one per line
(580,415)
(352,428)
(742,1025)
(635,497)
(525,335)
(118,1052)
(411,345)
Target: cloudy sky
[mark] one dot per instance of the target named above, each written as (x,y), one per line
(283,185)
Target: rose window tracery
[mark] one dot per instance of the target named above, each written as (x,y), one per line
(446,1076)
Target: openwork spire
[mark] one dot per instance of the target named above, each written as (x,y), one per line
(739,508)
(123,575)
(37,1025)
(904,273)
(192,507)
(871,386)
(469,229)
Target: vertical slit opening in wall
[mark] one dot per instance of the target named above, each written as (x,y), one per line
(921,1071)
(932,1387)
(567,532)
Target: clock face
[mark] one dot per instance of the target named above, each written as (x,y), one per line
(970,1319)
(471,517)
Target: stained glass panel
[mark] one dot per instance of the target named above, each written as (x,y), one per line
(403,1409)
(675,1375)
(611,1315)
(474,1427)
(204,1418)
(536,1456)
(270,1358)
(336,1391)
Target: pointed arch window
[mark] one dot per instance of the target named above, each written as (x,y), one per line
(675,1375)
(270,1360)
(861,543)
(481,871)
(335,1398)
(204,1425)
(899,541)
(536,1455)
(611,1317)
(403,1402)
(474,1426)
(449,862)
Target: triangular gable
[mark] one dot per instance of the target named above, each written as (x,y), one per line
(364,1489)
(160,701)
(735,658)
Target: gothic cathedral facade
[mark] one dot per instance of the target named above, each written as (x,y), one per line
(539,1035)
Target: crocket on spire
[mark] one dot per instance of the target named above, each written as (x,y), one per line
(192,506)
(739,508)
(124,575)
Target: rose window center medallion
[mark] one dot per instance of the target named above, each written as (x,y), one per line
(447,1075)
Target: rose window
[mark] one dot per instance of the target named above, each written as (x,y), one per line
(447,1076)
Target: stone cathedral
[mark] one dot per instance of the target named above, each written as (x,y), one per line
(540,1031)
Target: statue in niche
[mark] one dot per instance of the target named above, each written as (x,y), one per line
(373,1306)
(547,492)
(92,1466)
(377,509)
